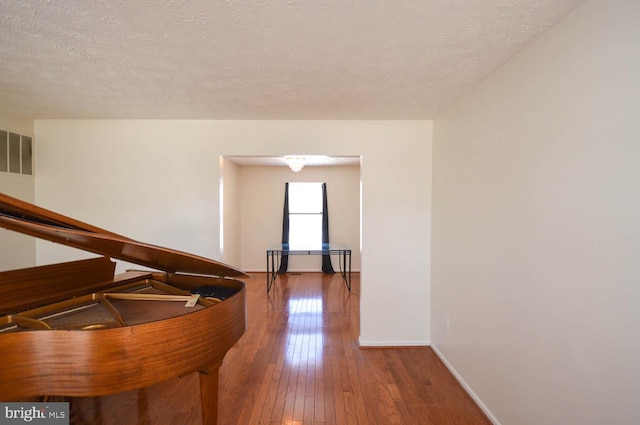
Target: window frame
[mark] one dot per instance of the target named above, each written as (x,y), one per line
(311,212)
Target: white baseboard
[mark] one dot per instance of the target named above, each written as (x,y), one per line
(419,343)
(466,386)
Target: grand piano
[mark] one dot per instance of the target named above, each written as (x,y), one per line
(77,329)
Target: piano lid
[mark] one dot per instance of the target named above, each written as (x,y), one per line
(29,219)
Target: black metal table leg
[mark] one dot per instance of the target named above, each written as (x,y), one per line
(349,285)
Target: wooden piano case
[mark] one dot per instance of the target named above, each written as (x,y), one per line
(77,329)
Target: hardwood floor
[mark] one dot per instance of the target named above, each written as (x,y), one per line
(299,363)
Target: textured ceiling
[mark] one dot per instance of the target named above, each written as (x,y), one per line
(256,59)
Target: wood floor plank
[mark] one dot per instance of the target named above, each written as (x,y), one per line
(299,363)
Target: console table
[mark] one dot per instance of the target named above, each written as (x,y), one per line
(276,251)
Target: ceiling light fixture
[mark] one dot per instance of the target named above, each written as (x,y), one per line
(295,162)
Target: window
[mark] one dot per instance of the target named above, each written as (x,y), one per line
(305,215)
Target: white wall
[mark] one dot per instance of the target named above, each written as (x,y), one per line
(158,181)
(231,214)
(17,250)
(536,237)
(262,194)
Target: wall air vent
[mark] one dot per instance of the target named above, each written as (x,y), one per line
(16,153)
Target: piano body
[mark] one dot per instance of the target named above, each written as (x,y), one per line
(77,329)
